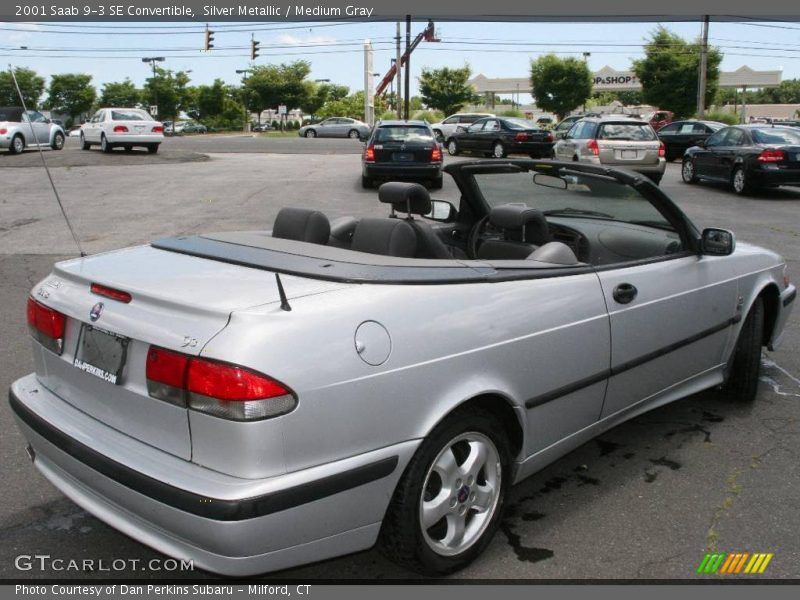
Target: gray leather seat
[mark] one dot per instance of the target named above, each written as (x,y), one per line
(302,225)
(390,237)
(524,230)
(414,199)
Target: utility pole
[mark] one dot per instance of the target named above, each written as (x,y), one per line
(153,60)
(245,97)
(701,86)
(399,66)
(408,65)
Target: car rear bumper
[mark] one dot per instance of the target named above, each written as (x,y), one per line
(132,138)
(648,168)
(776,176)
(224,524)
(538,148)
(402,171)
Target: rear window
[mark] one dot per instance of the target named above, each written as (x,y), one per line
(403,133)
(516,123)
(129,115)
(11,114)
(629,132)
(775,136)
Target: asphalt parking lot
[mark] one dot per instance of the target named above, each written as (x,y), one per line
(646,500)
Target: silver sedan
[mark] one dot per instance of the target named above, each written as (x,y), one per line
(340,127)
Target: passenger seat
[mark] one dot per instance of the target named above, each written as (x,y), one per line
(388,237)
(524,230)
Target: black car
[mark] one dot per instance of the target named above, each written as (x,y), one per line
(402,150)
(679,136)
(747,157)
(501,136)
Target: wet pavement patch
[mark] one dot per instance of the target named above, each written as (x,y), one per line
(607,447)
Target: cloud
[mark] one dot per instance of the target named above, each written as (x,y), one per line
(22,33)
(291,40)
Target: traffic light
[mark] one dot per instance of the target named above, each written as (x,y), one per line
(209,39)
(254,49)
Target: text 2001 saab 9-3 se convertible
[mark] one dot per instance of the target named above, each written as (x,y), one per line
(255,400)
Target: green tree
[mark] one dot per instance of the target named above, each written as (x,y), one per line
(169,91)
(669,73)
(787,93)
(269,86)
(318,95)
(70,94)
(209,100)
(30,83)
(120,93)
(560,85)
(446,89)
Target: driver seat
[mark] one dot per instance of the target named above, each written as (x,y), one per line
(524,230)
(414,199)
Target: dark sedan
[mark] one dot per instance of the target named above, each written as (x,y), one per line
(746,156)
(402,150)
(499,137)
(682,135)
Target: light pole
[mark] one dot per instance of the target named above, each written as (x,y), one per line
(246,123)
(586,56)
(392,63)
(153,60)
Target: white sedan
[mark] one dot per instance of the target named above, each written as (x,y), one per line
(125,127)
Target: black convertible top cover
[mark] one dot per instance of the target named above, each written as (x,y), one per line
(11,113)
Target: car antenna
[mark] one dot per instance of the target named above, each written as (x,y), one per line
(44,162)
(284,300)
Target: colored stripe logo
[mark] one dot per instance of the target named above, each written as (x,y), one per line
(734,563)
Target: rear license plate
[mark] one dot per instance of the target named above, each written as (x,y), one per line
(628,154)
(101,353)
(403,156)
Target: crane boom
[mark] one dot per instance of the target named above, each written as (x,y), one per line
(428,35)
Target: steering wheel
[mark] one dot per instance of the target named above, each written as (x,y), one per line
(475,235)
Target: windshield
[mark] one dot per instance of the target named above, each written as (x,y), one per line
(775,135)
(632,132)
(403,133)
(131,114)
(582,197)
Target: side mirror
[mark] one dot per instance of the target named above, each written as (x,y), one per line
(701,143)
(442,211)
(460,129)
(717,242)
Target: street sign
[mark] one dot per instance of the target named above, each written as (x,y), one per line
(282,109)
(153,110)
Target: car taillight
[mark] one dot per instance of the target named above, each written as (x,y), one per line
(120,129)
(215,388)
(771,156)
(521,137)
(548,137)
(593,147)
(369,154)
(46,325)
(436,154)
(108,292)
(158,129)
(662,150)
(3,130)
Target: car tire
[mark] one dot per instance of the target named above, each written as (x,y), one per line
(311,133)
(436,184)
(744,366)
(498,150)
(17,144)
(104,145)
(58,141)
(466,434)
(452,147)
(153,148)
(84,144)
(688,173)
(366,182)
(353,134)
(740,182)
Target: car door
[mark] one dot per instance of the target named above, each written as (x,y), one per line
(492,129)
(325,127)
(469,138)
(670,313)
(669,134)
(705,160)
(566,148)
(730,149)
(340,127)
(40,127)
(91,130)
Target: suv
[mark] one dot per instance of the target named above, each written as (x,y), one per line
(617,142)
(404,150)
(20,129)
(444,129)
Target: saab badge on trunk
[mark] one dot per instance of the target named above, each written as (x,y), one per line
(96,311)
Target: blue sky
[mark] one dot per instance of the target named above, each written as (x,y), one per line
(494,49)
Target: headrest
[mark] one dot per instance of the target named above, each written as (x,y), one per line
(389,237)
(515,219)
(302,225)
(411,198)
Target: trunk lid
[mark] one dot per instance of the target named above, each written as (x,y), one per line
(177,302)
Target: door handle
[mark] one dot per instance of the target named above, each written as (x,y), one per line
(625,293)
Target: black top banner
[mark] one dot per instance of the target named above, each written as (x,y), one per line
(383,10)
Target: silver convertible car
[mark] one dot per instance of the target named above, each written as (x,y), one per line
(258,400)
(20,129)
